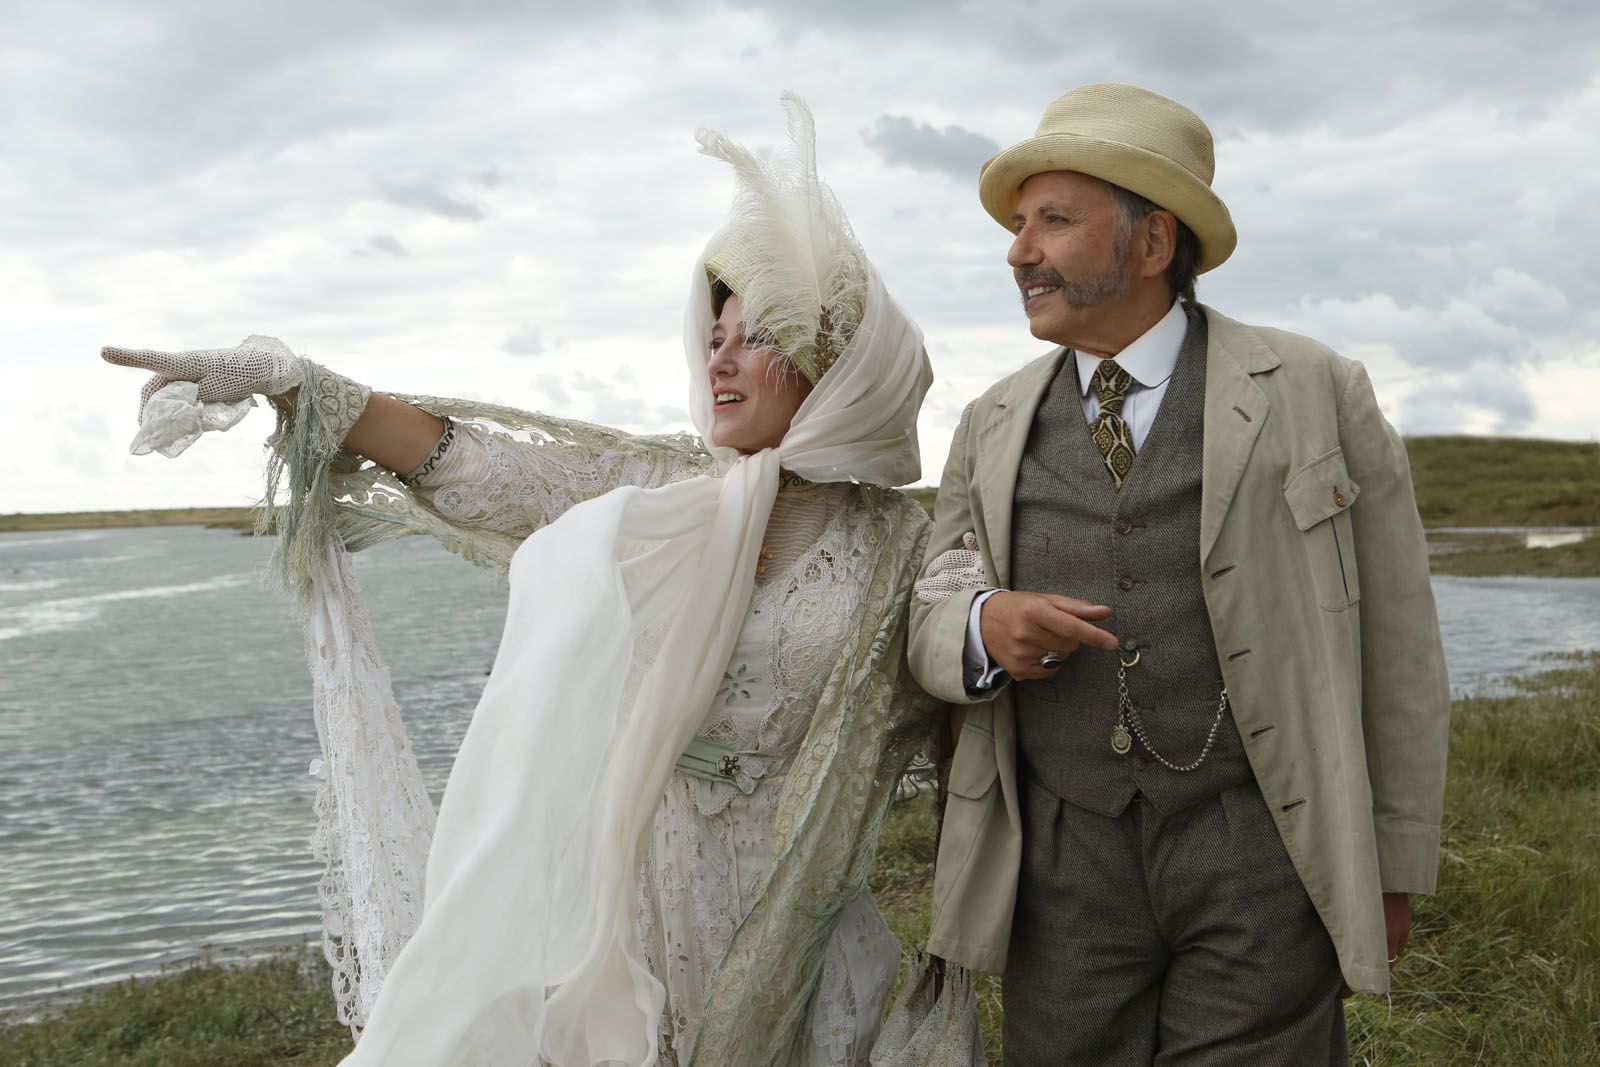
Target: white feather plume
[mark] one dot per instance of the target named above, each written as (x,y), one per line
(788,250)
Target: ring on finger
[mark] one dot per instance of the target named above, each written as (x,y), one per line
(1050,660)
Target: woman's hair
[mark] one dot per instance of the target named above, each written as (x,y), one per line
(720,291)
(779,369)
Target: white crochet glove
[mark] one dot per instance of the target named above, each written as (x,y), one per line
(952,571)
(204,389)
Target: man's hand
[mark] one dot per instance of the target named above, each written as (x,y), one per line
(1396,928)
(1397,924)
(1020,628)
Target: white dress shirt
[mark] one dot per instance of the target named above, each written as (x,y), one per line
(1150,359)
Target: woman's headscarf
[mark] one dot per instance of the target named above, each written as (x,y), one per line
(623,615)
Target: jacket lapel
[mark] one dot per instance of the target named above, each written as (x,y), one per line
(1000,442)
(1236,409)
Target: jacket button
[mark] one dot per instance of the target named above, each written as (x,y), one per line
(1338,499)
(1125,583)
(1124,526)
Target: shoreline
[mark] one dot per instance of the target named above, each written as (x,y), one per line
(236,518)
(26,1008)
(1579,559)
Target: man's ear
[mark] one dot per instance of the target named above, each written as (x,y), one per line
(1159,241)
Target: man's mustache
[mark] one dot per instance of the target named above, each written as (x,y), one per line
(1039,276)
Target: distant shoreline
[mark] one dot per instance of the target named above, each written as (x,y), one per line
(216,518)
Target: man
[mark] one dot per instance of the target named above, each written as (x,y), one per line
(1202,762)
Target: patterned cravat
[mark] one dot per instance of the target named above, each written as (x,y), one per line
(1110,431)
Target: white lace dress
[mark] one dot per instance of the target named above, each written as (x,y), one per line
(709,852)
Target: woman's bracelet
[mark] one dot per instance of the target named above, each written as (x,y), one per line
(433,457)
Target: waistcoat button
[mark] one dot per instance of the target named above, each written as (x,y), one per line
(1125,583)
(1124,526)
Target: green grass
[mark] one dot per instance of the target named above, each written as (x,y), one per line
(1504,965)
(272,1012)
(1578,560)
(1505,481)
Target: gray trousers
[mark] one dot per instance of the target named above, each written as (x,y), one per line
(1183,940)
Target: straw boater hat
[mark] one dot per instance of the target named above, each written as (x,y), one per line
(1128,136)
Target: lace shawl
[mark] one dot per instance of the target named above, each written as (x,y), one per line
(869,722)
(375,819)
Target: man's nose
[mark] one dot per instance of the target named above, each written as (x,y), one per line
(1022,252)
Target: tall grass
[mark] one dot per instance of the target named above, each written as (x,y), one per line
(1504,965)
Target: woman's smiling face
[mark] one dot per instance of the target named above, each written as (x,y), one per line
(754,390)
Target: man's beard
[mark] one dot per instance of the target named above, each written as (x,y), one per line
(1109,284)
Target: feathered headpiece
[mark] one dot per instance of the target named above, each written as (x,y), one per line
(787,250)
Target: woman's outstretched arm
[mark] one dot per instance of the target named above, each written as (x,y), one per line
(390,432)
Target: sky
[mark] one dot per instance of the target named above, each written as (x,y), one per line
(503,200)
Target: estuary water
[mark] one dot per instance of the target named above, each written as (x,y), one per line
(155,730)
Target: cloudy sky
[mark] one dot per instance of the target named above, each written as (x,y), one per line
(502,200)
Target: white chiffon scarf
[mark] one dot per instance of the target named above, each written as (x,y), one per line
(527,946)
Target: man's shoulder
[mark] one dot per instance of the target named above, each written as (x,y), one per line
(1253,340)
(1297,364)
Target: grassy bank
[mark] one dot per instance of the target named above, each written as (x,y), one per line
(1505,481)
(266,1014)
(225,518)
(1579,560)
(1504,966)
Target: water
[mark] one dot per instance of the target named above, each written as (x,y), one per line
(155,730)
(1496,628)
(155,738)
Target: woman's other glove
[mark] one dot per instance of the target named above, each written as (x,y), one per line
(952,571)
(204,389)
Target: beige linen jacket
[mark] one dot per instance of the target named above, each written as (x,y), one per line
(1316,579)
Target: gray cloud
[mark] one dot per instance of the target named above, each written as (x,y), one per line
(1445,406)
(525,342)
(420,196)
(953,150)
(385,244)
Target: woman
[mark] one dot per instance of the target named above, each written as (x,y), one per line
(654,843)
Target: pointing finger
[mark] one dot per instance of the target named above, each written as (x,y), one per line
(188,366)
(1083,609)
(143,358)
(1071,630)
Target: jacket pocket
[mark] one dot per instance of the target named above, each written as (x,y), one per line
(1320,495)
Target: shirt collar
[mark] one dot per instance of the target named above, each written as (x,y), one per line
(1151,359)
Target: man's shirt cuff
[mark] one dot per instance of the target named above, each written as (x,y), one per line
(979,672)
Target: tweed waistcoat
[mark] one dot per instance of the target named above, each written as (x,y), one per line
(1135,549)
